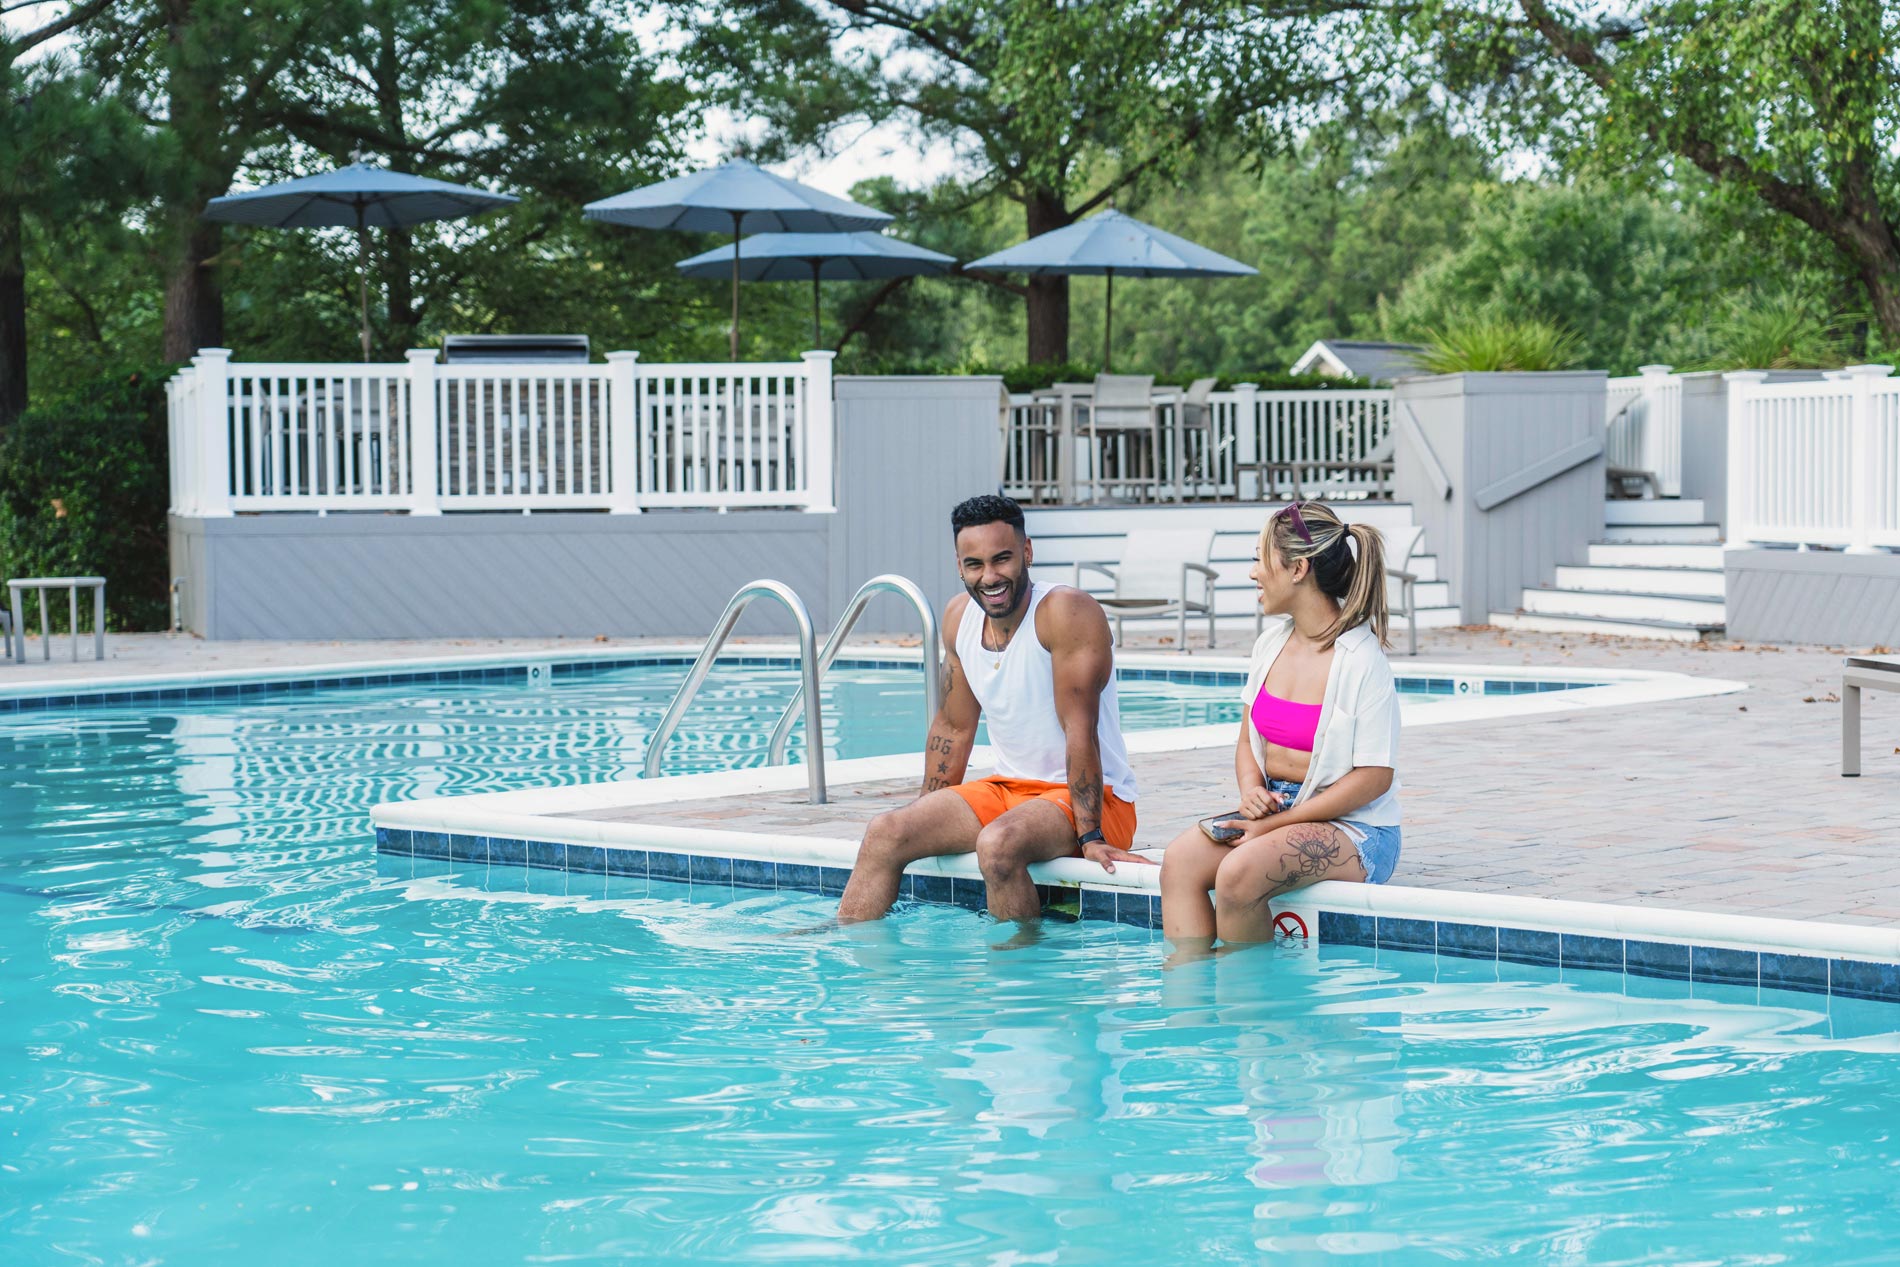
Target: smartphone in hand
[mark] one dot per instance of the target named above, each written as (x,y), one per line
(1217,828)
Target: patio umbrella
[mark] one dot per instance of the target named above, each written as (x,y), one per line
(1111,243)
(358,195)
(790,257)
(731,196)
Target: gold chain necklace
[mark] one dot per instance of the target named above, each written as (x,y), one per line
(996,656)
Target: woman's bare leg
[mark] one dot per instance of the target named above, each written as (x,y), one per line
(1272,865)
(1187,873)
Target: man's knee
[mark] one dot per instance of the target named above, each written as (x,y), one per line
(1001,849)
(883,843)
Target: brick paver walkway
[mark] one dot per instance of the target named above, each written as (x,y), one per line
(1732,804)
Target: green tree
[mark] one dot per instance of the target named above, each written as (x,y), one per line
(550,99)
(56,143)
(1631,277)
(1785,103)
(1057,107)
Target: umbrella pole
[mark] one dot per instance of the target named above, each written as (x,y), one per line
(362,274)
(737,216)
(817,330)
(1108,326)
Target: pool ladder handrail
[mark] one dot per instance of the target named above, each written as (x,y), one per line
(888,583)
(808,667)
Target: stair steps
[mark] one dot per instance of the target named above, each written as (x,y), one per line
(1656,574)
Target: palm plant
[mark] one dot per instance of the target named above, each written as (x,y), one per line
(1489,341)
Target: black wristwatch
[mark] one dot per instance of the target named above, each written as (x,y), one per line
(1088,838)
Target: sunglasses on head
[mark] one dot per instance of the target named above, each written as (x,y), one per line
(1299,525)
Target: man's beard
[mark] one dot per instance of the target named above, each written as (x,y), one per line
(1018,590)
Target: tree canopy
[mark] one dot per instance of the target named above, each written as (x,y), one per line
(1679,180)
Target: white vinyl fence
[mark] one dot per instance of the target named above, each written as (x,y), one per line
(424,438)
(1644,413)
(1815,463)
(1248,444)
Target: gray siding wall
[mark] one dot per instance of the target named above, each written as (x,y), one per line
(909,449)
(499,575)
(1813,596)
(1486,428)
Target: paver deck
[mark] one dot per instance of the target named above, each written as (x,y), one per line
(1732,804)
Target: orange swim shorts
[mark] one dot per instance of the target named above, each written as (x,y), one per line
(991,798)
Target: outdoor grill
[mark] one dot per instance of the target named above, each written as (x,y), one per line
(470,349)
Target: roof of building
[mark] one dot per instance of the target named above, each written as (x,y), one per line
(1362,358)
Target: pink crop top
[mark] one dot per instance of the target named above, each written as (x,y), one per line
(1284,722)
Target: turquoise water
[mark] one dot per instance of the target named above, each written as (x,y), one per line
(229,1038)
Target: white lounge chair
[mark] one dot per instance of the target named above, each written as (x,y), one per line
(1862,673)
(1154,578)
(1399,549)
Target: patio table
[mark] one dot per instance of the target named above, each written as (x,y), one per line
(1073,402)
(16,591)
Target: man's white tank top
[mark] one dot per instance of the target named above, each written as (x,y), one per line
(1016,688)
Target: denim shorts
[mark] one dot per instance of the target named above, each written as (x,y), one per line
(1378,846)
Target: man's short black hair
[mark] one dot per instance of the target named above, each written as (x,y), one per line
(987,509)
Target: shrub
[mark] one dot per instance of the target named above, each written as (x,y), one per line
(1777,331)
(84,491)
(1486,342)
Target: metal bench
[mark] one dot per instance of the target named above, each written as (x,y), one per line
(72,585)
(1862,673)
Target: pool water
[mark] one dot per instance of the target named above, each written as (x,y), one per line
(230,1038)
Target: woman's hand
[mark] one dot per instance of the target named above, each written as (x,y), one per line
(1258,802)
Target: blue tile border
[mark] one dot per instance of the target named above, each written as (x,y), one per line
(1807,974)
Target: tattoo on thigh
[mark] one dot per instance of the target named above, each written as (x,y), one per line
(1314,849)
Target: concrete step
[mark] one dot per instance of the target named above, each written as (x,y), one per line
(1670,510)
(1673,631)
(1701,534)
(1694,582)
(1611,605)
(1655,554)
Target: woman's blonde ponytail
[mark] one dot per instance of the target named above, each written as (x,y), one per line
(1365,601)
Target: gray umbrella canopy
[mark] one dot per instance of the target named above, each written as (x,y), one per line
(357,195)
(794,257)
(733,197)
(1111,243)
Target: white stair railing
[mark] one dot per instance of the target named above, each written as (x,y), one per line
(1644,416)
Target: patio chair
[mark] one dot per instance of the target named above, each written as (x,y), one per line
(1123,406)
(1153,578)
(1399,549)
(1194,432)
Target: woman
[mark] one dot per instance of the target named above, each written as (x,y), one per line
(1318,744)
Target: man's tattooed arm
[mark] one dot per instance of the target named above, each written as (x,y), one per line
(953,729)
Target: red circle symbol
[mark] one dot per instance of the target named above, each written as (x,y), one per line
(1286,923)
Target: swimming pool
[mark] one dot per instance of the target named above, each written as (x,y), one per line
(235,1039)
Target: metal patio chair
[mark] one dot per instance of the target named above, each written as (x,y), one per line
(1155,578)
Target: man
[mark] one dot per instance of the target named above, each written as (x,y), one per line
(1038,663)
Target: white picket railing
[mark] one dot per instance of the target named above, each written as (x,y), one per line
(1250,444)
(1644,413)
(425,438)
(1815,463)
